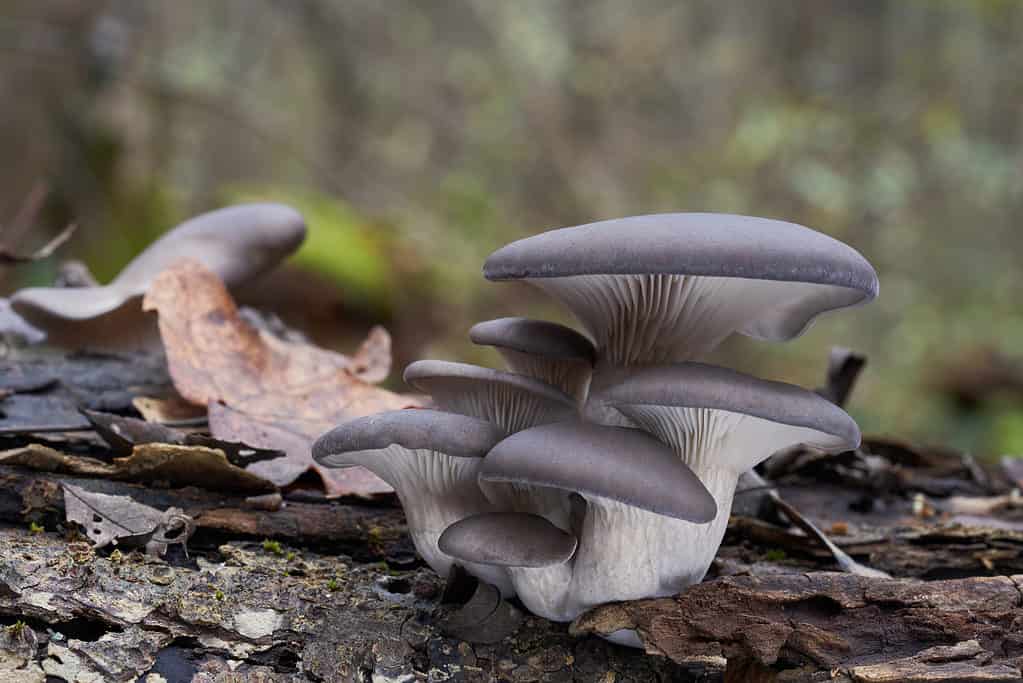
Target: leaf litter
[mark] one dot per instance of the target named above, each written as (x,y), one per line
(264,391)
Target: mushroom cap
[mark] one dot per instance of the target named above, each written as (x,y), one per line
(511,400)
(698,385)
(458,436)
(616,463)
(535,337)
(238,243)
(508,539)
(429,375)
(711,244)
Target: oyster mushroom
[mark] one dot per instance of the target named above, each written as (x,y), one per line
(626,478)
(720,423)
(239,243)
(431,460)
(671,287)
(514,402)
(553,353)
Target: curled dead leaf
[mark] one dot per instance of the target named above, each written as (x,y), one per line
(274,393)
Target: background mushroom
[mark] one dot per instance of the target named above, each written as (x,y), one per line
(626,477)
(431,460)
(238,243)
(553,353)
(670,287)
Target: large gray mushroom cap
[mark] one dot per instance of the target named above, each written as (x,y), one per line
(510,400)
(508,539)
(615,463)
(412,429)
(238,243)
(642,284)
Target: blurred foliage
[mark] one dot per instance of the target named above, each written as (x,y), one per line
(423,136)
(340,244)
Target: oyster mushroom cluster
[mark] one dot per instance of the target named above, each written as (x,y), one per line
(601,467)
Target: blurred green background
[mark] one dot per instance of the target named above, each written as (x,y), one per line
(418,137)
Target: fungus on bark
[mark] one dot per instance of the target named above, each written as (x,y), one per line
(670,287)
(239,243)
(431,460)
(721,423)
(625,477)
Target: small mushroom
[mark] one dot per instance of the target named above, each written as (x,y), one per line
(553,353)
(671,287)
(527,546)
(514,402)
(720,423)
(629,480)
(431,459)
(238,243)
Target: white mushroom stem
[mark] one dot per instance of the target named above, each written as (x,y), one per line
(435,490)
(649,319)
(554,505)
(626,553)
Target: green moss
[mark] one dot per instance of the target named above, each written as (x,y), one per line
(775,555)
(273,547)
(340,244)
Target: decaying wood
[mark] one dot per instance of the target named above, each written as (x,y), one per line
(852,627)
(278,617)
(363,530)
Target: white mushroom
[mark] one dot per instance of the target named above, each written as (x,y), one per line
(626,478)
(431,460)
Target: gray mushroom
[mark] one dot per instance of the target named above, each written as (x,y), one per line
(526,546)
(238,243)
(720,423)
(553,353)
(671,287)
(514,402)
(627,479)
(431,460)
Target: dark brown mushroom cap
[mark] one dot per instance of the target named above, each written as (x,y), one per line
(429,375)
(413,429)
(507,539)
(620,464)
(721,245)
(535,337)
(698,385)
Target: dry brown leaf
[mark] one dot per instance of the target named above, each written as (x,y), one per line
(372,361)
(166,409)
(276,394)
(189,465)
(119,519)
(173,464)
